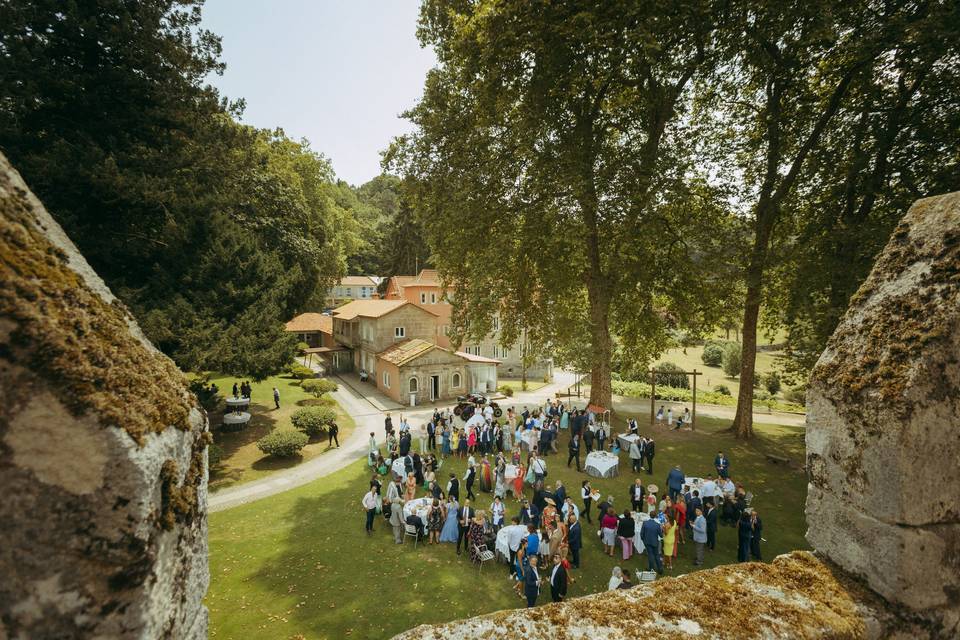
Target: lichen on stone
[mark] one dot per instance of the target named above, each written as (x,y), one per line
(70,336)
(180,501)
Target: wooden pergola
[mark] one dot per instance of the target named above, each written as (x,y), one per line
(653,393)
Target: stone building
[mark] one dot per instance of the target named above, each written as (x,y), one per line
(352,288)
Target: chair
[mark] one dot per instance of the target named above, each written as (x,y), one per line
(748,498)
(483,553)
(411,530)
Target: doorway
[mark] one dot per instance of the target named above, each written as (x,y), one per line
(434,387)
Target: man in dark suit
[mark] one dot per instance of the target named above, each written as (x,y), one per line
(574,539)
(464,516)
(711,526)
(694,503)
(453,487)
(416,521)
(757,525)
(431,435)
(560,494)
(404,444)
(558,580)
(636,492)
(650,535)
(574,449)
(649,449)
(531,582)
(722,463)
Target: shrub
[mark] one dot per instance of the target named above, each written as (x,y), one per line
(282,444)
(712,354)
(731,360)
(796,395)
(313,421)
(677,380)
(208,398)
(301,372)
(722,389)
(507,391)
(214,455)
(318,386)
(771,383)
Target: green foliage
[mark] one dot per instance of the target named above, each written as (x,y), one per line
(318,386)
(732,359)
(771,382)
(214,454)
(722,389)
(301,372)
(678,380)
(208,399)
(713,352)
(672,394)
(507,390)
(282,443)
(211,232)
(313,421)
(796,395)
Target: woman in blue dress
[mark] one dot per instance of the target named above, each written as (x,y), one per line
(450,526)
(445,436)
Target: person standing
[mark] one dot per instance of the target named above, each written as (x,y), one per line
(422,438)
(650,535)
(453,488)
(711,526)
(587,496)
(722,463)
(626,529)
(636,455)
(670,540)
(396,519)
(574,449)
(388,424)
(588,434)
(675,480)
(650,448)
(432,435)
(531,580)
(445,449)
(463,521)
(369,502)
(468,478)
(373,450)
(744,532)
(756,526)
(699,536)
(636,495)
(276,397)
(332,432)
(558,580)
(497,513)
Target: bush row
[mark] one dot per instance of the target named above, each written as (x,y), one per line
(673,394)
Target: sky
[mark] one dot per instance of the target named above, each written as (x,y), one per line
(337,72)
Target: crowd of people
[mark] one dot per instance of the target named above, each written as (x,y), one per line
(506,459)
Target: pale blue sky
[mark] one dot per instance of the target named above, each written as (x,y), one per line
(337,72)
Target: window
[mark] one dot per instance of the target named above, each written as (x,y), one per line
(475,350)
(423,298)
(386,379)
(433,298)
(349,292)
(496,323)
(455,381)
(446,329)
(399,332)
(414,385)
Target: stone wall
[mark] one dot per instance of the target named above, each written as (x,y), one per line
(102,452)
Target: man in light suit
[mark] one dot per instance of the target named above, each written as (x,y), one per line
(558,580)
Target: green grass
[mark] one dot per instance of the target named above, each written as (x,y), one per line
(517,385)
(299,565)
(242,461)
(690,358)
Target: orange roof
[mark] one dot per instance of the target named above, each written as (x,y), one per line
(357,281)
(473,358)
(372,308)
(406,350)
(428,277)
(311,322)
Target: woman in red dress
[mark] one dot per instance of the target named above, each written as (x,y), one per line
(680,508)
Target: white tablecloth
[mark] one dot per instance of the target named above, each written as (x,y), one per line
(236,418)
(399,468)
(418,506)
(601,464)
(626,439)
(639,518)
(510,472)
(503,539)
(237,402)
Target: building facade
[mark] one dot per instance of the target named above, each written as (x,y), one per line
(352,288)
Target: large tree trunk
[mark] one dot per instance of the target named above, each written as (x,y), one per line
(602,351)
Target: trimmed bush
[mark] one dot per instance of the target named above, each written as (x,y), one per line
(313,421)
(712,354)
(731,360)
(283,443)
(722,389)
(301,372)
(677,380)
(507,391)
(318,386)
(771,382)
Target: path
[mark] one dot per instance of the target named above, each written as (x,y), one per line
(364,404)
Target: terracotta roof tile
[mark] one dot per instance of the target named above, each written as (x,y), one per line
(372,308)
(406,350)
(473,358)
(311,322)
(357,281)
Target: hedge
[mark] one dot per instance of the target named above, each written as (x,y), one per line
(313,421)
(318,386)
(283,443)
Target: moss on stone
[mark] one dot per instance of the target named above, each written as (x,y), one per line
(71,337)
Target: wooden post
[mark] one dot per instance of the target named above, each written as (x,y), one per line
(693,421)
(653,396)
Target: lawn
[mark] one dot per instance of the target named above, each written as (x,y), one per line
(690,358)
(517,385)
(298,565)
(242,461)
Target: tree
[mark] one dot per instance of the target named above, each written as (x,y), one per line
(318,386)
(403,248)
(212,233)
(786,76)
(732,363)
(552,180)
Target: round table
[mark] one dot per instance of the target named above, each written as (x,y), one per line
(236,403)
(503,539)
(626,439)
(510,472)
(399,468)
(639,517)
(418,507)
(236,420)
(601,464)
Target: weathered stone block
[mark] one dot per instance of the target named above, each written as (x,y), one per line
(883,422)
(102,452)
